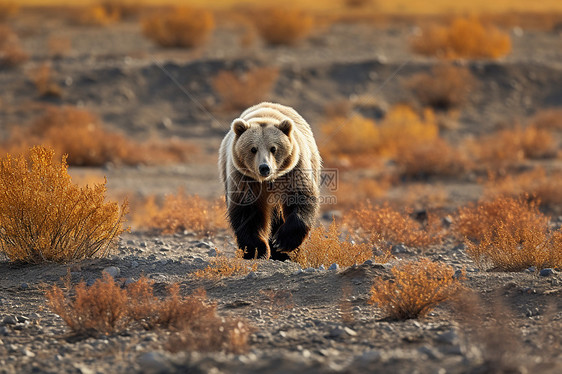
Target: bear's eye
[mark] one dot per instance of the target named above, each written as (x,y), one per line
(273,150)
(254,150)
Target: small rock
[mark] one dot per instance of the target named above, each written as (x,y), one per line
(533,312)
(368,262)
(203,245)
(130,242)
(24,286)
(142,244)
(158,241)
(134,264)
(334,266)
(4,331)
(128,281)
(349,331)
(299,271)
(212,252)
(22,319)
(26,352)
(113,271)
(163,261)
(153,362)
(546,272)
(90,282)
(321,268)
(9,320)
(341,331)
(531,269)
(399,248)
(165,248)
(251,275)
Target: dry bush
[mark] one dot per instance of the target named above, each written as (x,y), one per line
(11,53)
(509,235)
(446,87)
(241,92)
(536,184)
(94,15)
(82,136)
(283,25)
(105,308)
(415,289)
(463,38)
(325,247)
(59,46)
(8,9)
(435,157)
(181,212)
(179,27)
(357,138)
(43,79)
(44,217)
(122,9)
(548,119)
(222,266)
(387,225)
(506,147)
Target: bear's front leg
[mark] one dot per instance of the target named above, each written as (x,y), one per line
(249,225)
(300,212)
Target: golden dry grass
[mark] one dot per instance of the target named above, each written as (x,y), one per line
(416,288)
(181,212)
(463,38)
(238,92)
(446,87)
(122,9)
(222,266)
(183,27)
(83,137)
(11,52)
(509,235)
(44,81)
(44,217)
(548,119)
(283,25)
(105,308)
(8,9)
(327,247)
(388,225)
(93,15)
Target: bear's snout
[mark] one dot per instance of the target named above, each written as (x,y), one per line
(265,170)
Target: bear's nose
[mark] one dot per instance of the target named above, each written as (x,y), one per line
(264,170)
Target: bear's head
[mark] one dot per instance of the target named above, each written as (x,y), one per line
(264,149)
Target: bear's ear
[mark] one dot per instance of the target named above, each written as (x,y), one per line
(239,126)
(286,126)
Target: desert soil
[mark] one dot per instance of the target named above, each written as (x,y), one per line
(319,320)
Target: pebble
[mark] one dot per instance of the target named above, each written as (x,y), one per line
(546,272)
(9,320)
(341,331)
(22,319)
(158,241)
(251,275)
(212,252)
(113,271)
(24,286)
(533,312)
(204,245)
(130,242)
(142,244)
(334,266)
(321,268)
(399,248)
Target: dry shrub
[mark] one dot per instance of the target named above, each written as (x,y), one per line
(11,53)
(358,137)
(122,9)
(325,247)
(44,217)
(283,25)
(43,79)
(535,184)
(435,157)
(509,235)
(179,27)
(446,87)
(387,225)
(59,46)
(8,9)
(181,212)
(82,136)
(463,38)
(415,289)
(94,15)
(105,308)
(549,119)
(222,266)
(506,147)
(241,92)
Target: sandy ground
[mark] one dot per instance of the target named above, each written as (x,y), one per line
(119,75)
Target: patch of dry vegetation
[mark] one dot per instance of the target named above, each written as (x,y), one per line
(326,247)
(105,308)
(388,225)
(509,235)
(44,217)
(43,79)
(182,27)
(446,87)
(548,119)
(8,9)
(283,25)
(222,266)
(416,288)
(83,137)
(181,212)
(238,92)
(93,15)
(357,138)
(463,38)
(11,53)
(122,9)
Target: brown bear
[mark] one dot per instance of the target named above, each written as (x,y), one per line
(270,166)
